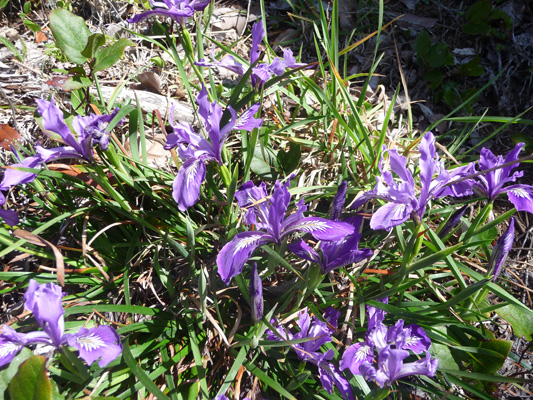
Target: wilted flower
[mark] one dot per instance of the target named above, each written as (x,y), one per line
(392,345)
(501,251)
(196,150)
(44,301)
(335,254)
(262,71)
(403,202)
(318,333)
(90,129)
(268,215)
(178,10)
(256,295)
(492,183)
(453,221)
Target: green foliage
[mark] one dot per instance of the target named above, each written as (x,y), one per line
(31,381)
(483,19)
(71,34)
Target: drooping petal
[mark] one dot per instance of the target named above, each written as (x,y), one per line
(13,176)
(329,375)
(332,317)
(44,301)
(355,355)
(10,345)
(320,228)
(415,339)
(390,364)
(260,75)
(521,196)
(390,215)
(500,252)
(256,295)
(57,153)
(247,121)
(173,13)
(376,315)
(289,61)
(302,250)
(101,343)
(10,217)
(228,62)
(255,200)
(187,184)
(234,254)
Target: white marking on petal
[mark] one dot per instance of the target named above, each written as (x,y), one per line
(311,226)
(191,172)
(411,341)
(520,193)
(90,342)
(243,243)
(363,352)
(9,348)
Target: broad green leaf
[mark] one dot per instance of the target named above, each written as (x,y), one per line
(445,355)
(521,321)
(71,34)
(108,56)
(95,41)
(489,364)
(31,381)
(289,160)
(7,373)
(31,25)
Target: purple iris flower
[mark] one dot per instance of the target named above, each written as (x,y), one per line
(13,177)
(403,202)
(196,150)
(318,332)
(268,215)
(262,71)
(44,301)
(90,129)
(392,345)
(501,251)
(492,183)
(178,10)
(335,254)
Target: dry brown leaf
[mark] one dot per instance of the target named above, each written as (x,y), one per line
(8,136)
(39,241)
(41,37)
(149,81)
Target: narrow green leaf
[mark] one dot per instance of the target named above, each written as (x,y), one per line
(140,374)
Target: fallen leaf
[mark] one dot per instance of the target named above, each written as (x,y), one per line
(149,81)
(41,37)
(8,136)
(39,241)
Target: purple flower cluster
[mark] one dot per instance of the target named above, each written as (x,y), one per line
(195,150)
(90,130)
(335,254)
(319,333)
(400,193)
(44,301)
(178,10)
(268,214)
(392,345)
(492,183)
(261,72)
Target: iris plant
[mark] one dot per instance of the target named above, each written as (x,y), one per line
(44,301)
(178,10)
(403,202)
(90,130)
(492,183)
(268,214)
(261,72)
(195,150)
(393,345)
(319,333)
(335,254)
